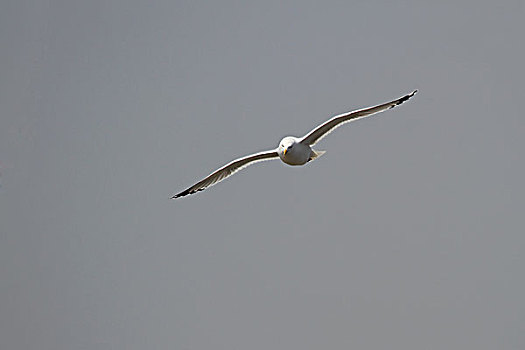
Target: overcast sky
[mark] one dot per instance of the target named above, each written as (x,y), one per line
(407,234)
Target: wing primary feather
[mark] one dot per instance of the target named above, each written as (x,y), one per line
(327,127)
(227,170)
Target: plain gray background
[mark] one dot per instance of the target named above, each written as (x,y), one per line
(407,234)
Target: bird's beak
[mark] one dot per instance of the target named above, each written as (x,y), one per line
(285,150)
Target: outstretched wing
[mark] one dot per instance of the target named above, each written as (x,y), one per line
(324,129)
(227,170)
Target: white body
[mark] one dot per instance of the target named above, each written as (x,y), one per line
(293,152)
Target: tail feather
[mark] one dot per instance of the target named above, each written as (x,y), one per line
(316,154)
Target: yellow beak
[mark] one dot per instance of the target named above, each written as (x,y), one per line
(285,150)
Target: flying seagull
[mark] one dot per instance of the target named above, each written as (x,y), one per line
(292,150)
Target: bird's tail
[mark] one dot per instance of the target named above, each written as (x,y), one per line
(316,154)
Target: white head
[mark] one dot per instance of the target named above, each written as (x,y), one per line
(286,145)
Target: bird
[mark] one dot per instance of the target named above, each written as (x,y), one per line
(292,150)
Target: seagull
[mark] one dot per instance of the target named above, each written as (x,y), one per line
(292,150)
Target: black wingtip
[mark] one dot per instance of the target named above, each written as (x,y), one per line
(187,192)
(182,194)
(404,99)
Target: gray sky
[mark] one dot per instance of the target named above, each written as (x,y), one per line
(407,234)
